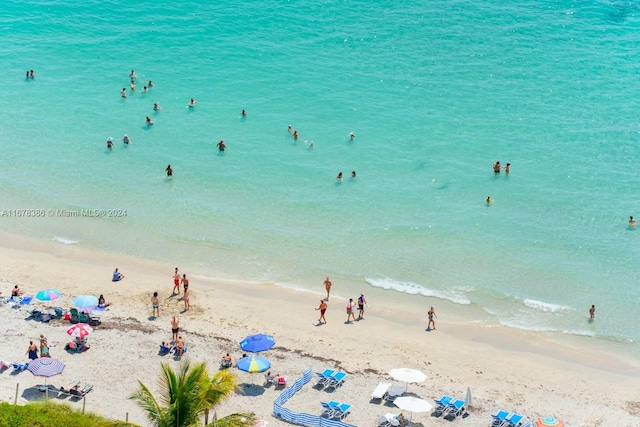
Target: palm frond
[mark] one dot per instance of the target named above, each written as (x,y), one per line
(235,420)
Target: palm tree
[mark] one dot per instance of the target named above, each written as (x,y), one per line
(187,395)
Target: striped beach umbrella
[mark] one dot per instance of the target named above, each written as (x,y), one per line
(48,295)
(46,367)
(253,364)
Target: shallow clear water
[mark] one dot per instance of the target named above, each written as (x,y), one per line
(435,92)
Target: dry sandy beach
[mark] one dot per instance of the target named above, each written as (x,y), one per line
(505,369)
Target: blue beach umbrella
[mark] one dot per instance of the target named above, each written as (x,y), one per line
(253,364)
(48,295)
(257,343)
(85,301)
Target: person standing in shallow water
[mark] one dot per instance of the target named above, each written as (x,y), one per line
(327,286)
(169,170)
(496,168)
(592,312)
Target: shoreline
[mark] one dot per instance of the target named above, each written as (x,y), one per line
(505,368)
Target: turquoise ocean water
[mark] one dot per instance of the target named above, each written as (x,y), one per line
(435,92)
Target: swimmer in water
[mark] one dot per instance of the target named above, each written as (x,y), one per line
(295,134)
(31,74)
(27,76)
(290,129)
(133,85)
(192,103)
(353,174)
(339,176)
(244,113)
(132,75)
(507,168)
(109,143)
(144,89)
(352,135)
(221,146)
(632,222)
(169,170)
(311,144)
(149,121)
(150,84)
(123,92)
(126,139)
(496,167)
(157,107)
(489,200)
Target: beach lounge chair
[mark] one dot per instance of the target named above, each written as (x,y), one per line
(380,390)
(324,376)
(329,409)
(19,367)
(83,317)
(383,421)
(441,404)
(336,380)
(342,410)
(58,312)
(513,420)
(73,313)
(281,382)
(499,417)
(393,392)
(455,409)
(165,349)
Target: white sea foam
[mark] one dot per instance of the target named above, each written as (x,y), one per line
(545,306)
(454,295)
(65,240)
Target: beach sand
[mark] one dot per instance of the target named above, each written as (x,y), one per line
(506,369)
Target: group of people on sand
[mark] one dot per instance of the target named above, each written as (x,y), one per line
(362,302)
(32,350)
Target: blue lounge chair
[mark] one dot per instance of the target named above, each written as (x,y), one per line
(441,404)
(513,420)
(324,377)
(342,410)
(499,417)
(19,367)
(455,409)
(329,409)
(336,380)
(165,349)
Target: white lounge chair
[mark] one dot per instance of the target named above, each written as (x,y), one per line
(380,390)
(383,421)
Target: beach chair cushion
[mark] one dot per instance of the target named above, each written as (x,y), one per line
(380,390)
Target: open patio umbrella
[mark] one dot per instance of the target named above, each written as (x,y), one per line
(408,375)
(412,404)
(253,364)
(549,422)
(257,343)
(80,330)
(85,302)
(48,295)
(46,367)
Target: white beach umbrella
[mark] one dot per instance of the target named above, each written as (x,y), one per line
(408,375)
(412,404)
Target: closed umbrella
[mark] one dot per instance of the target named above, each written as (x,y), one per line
(48,295)
(257,343)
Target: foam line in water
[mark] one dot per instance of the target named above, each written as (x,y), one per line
(65,240)
(453,295)
(545,306)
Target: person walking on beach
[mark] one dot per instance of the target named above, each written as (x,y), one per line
(323,309)
(176,283)
(327,286)
(155,305)
(185,282)
(175,328)
(592,312)
(32,351)
(361,303)
(432,316)
(185,297)
(350,306)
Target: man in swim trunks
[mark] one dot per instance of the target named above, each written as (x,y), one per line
(361,303)
(180,347)
(327,286)
(176,283)
(169,170)
(185,282)
(496,167)
(155,305)
(185,297)
(432,315)
(592,312)
(221,146)
(323,309)
(175,328)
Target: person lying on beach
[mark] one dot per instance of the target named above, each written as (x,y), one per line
(117,276)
